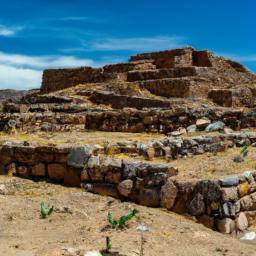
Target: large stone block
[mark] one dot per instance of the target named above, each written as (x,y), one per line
(57,171)
(39,170)
(72,177)
(168,194)
(149,197)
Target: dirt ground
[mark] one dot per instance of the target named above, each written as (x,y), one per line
(79,138)
(79,221)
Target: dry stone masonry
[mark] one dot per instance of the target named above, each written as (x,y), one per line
(175,92)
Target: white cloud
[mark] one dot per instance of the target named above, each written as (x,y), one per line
(19,78)
(9,31)
(42,62)
(138,43)
(24,72)
(143,44)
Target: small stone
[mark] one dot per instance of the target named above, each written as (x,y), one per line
(125,187)
(214,127)
(84,175)
(238,159)
(192,128)
(201,124)
(241,222)
(226,225)
(3,190)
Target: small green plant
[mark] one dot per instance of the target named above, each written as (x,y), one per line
(120,223)
(106,251)
(244,151)
(44,211)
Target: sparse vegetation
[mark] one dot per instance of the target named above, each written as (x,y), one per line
(44,211)
(121,222)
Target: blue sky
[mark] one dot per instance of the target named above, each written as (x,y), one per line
(40,34)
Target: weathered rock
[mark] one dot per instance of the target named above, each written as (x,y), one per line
(251,217)
(79,156)
(168,194)
(149,197)
(72,177)
(248,203)
(3,190)
(238,159)
(226,225)
(201,124)
(125,187)
(244,188)
(23,171)
(56,171)
(39,170)
(214,127)
(229,194)
(229,181)
(197,206)
(105,189)
(241,222)
(84,175)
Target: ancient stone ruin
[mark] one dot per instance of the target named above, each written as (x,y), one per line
(197,102)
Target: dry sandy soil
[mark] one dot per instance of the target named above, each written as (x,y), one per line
(79,221)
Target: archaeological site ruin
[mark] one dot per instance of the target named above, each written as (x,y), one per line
(141,132)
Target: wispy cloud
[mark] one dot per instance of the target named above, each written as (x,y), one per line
(19,78)
(9,31)
(39,62)
(24,72)
(130,44)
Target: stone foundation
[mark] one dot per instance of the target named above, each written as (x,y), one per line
(227,204)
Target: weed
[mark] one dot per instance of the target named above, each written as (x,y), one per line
(106,251)
(244,151)
(44,211)
(121,222)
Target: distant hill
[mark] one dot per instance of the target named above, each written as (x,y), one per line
(11,94)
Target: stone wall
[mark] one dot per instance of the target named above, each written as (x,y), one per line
(164,121)
(226,204)
(125,120)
